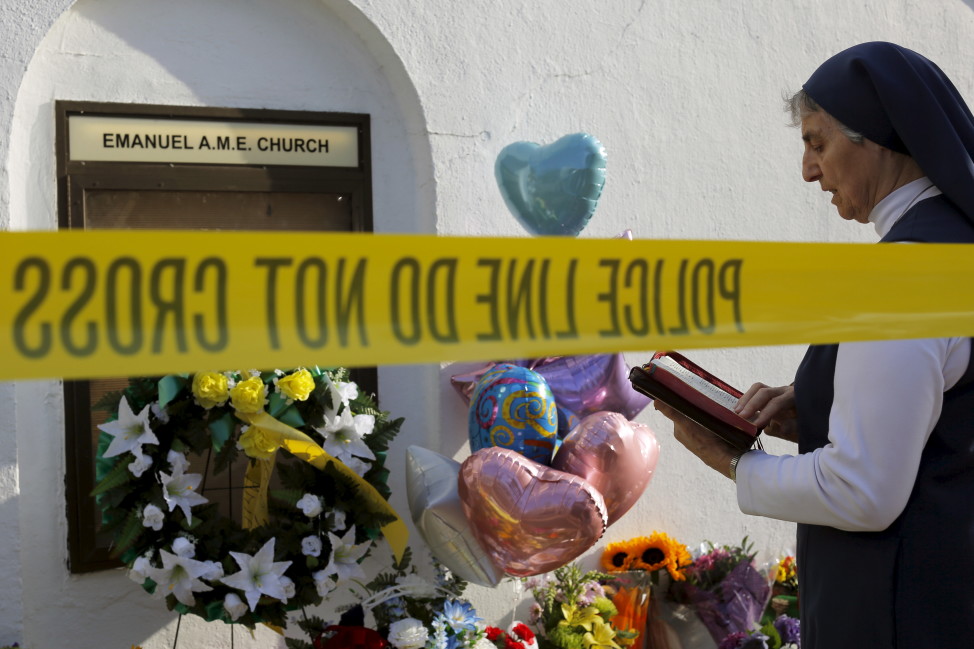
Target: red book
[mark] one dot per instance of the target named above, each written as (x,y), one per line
(696,393)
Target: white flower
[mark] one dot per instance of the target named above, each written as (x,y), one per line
(159,412)
(140,464)
(408,633)
(339,517)
(179,490)
(153,517)
(416,586)
(341,394)
(484,643)
(183,547)
(323,583)
(129,432)
(177,461)
(140,569)
(360,467)
(345,555)
(214,571)
(234,605)
(288,587)
(311,546)
(344,435)
(310,504)
(180,576)
(259,574)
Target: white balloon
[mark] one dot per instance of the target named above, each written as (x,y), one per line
(431,488)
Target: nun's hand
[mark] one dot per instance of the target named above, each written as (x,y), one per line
(771,409)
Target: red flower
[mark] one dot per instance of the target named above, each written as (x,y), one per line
(351,637)
(493,633)
(523,632)
(511,643)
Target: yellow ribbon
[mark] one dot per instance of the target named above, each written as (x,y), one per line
(272,434)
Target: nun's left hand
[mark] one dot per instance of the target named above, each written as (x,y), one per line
(715,452)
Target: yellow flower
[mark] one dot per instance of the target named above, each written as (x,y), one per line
(297,386)
(254,443)
(601,635)
(210,389)
(249,396)
(656,552)
(619,557)
(579,617)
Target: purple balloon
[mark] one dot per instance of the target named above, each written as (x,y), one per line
(582,385)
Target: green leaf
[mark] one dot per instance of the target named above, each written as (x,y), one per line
(292,417)
(276,404)
(169,387)
(118,476)
(130,532)
(220,430)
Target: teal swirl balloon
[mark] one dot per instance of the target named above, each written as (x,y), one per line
(513,407)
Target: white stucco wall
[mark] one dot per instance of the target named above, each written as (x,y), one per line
(685,96)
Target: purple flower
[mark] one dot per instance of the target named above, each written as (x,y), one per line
(788,628)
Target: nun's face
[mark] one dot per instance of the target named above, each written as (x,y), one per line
(855,174)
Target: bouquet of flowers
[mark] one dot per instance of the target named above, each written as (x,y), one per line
(571,611)
(725,589)
(165,437)
(642,569)
(407,612)
(784,590)
(781,633)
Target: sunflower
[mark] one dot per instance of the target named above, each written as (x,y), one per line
(661,551)
(619,557)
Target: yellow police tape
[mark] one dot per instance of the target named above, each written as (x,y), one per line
(86,304)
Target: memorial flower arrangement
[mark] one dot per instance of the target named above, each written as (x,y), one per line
(725,588)
(166,436)
(650,554)
(399,609)
(572,611)
(786,577)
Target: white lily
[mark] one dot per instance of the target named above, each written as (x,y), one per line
(129,432)
(179,490)
(259,575)
(341,394)
(344,436)
(180,576)
(345,555)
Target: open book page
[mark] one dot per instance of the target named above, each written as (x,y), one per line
(698,383)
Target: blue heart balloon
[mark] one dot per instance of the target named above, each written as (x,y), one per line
(552,190)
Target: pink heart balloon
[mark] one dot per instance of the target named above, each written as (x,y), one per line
(528,518)
(614,455)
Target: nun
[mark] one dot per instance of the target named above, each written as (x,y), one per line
(882,486)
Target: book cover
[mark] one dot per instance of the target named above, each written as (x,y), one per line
(696,393)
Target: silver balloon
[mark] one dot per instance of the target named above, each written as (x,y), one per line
(431,488)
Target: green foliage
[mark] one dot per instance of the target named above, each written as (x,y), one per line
(118,476)
(129,534)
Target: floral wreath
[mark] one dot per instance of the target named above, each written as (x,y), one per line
(297,543)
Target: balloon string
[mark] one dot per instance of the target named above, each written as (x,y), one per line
(518,586)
